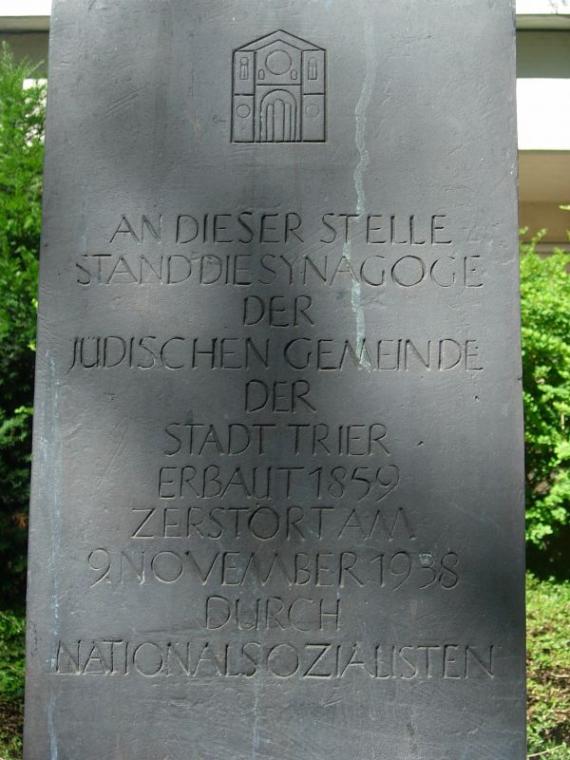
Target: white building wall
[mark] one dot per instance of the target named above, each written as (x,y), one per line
(543,6)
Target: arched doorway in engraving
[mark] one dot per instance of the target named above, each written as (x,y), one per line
(279,117)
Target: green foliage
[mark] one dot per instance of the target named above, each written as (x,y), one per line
(545,293)
(11,720)
(548,668)
(12,633)
(547,752)
(12,663)
(21,161)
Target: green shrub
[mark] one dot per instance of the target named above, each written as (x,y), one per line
(545,293)
(548,668)
(12,667)
(12,643)
(11,729)
(21,160)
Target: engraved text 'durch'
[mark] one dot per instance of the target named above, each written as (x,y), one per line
(279,91)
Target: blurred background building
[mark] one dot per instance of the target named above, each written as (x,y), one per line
(543,47)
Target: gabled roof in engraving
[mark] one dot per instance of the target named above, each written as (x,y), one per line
(280,36)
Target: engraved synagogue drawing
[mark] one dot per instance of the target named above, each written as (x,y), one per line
(279,91)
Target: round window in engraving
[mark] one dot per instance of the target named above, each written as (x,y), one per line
(243,111)
(312,110)
(278,62)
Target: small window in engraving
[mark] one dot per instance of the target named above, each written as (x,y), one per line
(261,74)
(243,111)
(313,69)
(244,68)
(294,74)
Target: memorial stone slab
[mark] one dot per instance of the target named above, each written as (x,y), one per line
(277,493)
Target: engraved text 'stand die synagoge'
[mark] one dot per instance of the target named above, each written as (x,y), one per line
(279,90)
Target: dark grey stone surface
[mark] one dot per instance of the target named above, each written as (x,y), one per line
(277,501)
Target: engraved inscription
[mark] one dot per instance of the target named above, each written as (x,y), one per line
(276,502)
(201,658)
